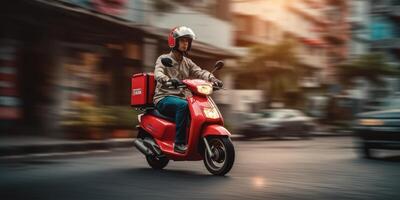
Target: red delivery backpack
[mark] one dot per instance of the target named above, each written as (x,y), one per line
(142,90)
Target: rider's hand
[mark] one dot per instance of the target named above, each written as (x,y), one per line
(175,82)
(217,82)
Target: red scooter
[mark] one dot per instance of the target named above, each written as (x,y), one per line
(207,139)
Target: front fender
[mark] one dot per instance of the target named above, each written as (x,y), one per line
(215,130)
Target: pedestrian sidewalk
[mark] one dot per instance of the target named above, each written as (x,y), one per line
(30,145)
(14,146)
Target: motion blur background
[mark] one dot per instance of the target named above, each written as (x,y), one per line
(65,65)
(303,68)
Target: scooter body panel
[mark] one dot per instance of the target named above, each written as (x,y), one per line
(159,128)
(163,131)
(197,119)
(215,130)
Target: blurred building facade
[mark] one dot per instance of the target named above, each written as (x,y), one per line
(336,34)
(360,21)
(62,58)
(385,38)
(59,55)
(304,20)
(211,26)
(259,22)
(385,33)
(374,29)
(62,55)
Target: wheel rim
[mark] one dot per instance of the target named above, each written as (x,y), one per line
(219,155)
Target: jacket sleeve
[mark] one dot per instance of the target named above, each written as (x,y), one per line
(159,72)
(196,72)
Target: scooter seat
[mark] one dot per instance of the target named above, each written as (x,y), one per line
(156,113)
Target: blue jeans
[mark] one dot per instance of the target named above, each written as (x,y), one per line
(177,109)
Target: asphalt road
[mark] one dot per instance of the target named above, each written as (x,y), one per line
(322,168)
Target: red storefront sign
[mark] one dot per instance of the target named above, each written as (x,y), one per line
(110,7)
(9,95)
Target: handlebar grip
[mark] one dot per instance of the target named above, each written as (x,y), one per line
(169,84)
(216,88)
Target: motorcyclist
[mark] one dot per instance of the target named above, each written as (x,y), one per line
(171,101)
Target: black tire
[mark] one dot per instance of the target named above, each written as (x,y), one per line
(223,162)
(366,151)
(279,133)
(305,135)
(157,163)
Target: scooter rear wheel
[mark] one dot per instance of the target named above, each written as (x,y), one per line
(223,156)
(157,163)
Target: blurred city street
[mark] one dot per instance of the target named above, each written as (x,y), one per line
(308,91)
(321,168)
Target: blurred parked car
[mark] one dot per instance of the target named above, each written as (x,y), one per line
(278,123)
(379,129)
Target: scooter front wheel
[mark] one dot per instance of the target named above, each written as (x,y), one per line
(157,163)
(223,157)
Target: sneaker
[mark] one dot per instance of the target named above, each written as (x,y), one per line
(180,148)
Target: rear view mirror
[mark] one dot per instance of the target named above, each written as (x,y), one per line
(167,62)
(219,64)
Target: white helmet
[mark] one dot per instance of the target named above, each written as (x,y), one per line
(177,32)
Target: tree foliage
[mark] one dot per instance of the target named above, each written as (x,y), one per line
(369,66)
(272,68)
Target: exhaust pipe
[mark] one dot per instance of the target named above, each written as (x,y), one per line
(142,148)
(152,146)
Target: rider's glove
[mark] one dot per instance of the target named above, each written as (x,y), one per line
(175,82)
(216,82)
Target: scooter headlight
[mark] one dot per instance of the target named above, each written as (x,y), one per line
(205,89)
(211,113)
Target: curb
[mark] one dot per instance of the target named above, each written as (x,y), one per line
(68,146)
(84,146)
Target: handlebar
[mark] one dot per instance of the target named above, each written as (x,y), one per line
(182,85)
(169,85)
(218,88)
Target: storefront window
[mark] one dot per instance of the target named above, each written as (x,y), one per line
(10,102)
(81,74)
(381,28)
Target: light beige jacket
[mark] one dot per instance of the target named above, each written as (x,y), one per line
(186,69)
